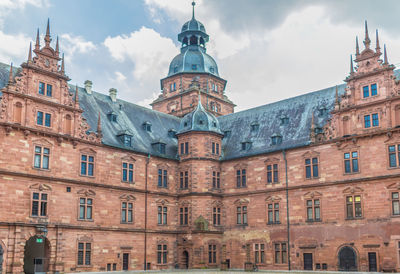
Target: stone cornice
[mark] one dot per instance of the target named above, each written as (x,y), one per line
(368,104)
(46,72)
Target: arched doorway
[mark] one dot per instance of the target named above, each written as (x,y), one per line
(185,259)
(1,258)
(36,255)
(347,259)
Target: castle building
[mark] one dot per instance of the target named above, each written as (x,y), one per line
(89,182)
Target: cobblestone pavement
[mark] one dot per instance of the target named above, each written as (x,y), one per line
(214,271)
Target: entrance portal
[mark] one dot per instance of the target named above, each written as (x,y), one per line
(347,259)
(1,258)
(36,255)
(185,259)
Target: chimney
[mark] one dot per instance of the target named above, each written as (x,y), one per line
(113,94)
(88,86)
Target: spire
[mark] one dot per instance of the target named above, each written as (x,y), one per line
(99,124)
(337,96)
(10,76)
(47,38)
(385,59)
(57,47)
(37,45)
(30,53)
(76,95)
(62,64)
(193,4)
(367,41)
(357,47)
(351,67)
(378,48)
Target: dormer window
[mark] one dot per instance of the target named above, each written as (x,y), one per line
(201,122)
(214,124)
(159,147)
(211,69)
(318,130)
(185,124)
(175,69)
(254,127)
(194,67)
(284,121)
(112,116)
(146,126)
(172,133)
(227,133)
(322,111)
(246,145)
(125,137)
(276,139)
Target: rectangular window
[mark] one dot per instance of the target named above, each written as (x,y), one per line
(212,254)
(182,148)
(216,179)
(367,121)
(351,162)
(84,253)
(184,179)
(241,215)
(280,253)
(353,207)
(259,253)
(47,120)
(311,165)
(374,90)
(241,178)
(272,173)
(41,88)
(213,148)
(39,119)
(41,159)
(366,91)
(395,203)
(162,215)
(39,204)
(184,215)
(87,165)
(273,213)
(162,178)
(375,120)
(187,148)
(217,148)
(313,210)
(216,216)
(85,209)
(49,90)
(162,254)
(393,155)
(127,172)
(127,212)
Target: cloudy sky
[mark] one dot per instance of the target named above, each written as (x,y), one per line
(268,50)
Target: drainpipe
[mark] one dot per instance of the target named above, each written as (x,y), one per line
(287,208)
(145,212)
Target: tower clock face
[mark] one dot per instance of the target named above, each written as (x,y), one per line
(47,62)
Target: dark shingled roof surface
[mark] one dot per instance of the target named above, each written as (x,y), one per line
(131,117)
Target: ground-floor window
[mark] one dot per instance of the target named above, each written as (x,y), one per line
(280,253)
(84,253)
(259,253)
(162,254)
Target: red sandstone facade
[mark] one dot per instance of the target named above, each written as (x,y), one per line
(209,223)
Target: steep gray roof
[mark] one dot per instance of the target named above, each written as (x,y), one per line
(4,73)
(269,118)
(130,118)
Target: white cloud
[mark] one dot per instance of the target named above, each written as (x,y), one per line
(15,49)
(149,52)
(72,45)
(119,76)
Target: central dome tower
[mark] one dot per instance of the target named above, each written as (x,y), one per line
(190,72)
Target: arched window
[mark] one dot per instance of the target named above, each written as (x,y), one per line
(193,40)
(202,43)
(68,124)
(18,113)
(185,42)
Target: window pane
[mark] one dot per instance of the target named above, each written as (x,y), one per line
(395,195)
(83,168)
(89,212)
(396,208)
(317,213)
(90,169)
(47,121)
(82,212)
(374,90)
(392,160)
(355,165)
(39,118)
(91,159)
(366,91)
(49,90)
(45,162)
(37,161)
(308,172)
(35,208)
(347,168)
(41,88)
(124,175)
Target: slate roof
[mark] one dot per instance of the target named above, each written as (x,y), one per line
(130,118)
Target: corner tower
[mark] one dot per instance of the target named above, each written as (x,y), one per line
(190,72)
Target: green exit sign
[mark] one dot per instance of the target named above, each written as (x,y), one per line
(39,240)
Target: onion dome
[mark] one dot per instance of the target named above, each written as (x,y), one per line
(199,120)
(193,57)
